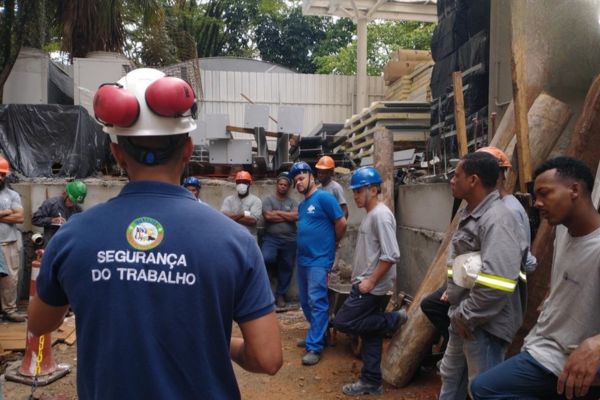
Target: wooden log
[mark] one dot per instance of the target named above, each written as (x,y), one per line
(383,159)
(585,142)
(394,70)
(407,348)
(412,55)
(521,107)
(459,114)
(547,119)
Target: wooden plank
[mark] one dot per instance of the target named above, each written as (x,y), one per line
(12,336)
(459,114)
(71,339)
(521,108)
(390,116)
(383,159)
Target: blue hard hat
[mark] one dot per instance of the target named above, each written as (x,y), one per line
(192,181)
(365,176)
(299,167)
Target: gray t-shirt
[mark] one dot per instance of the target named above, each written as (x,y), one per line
(238,205)
(569,313)
(376,241)
(9,199)
(285,230)
(336,190)
(513,204)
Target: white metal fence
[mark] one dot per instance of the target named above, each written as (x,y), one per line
(325,98)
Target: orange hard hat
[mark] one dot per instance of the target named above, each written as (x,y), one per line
(243,176)
(325,162)
(503,160)
(4,167)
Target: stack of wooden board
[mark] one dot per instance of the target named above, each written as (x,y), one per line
(413,86)
(408,121)
(404,62)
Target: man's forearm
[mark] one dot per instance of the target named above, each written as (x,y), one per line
(340,229)
(15,217)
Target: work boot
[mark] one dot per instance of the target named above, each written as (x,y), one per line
(301,343)
(14,317)
(280,302)
(401,318)
(311,358)
(360,388)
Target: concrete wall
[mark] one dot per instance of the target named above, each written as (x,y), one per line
(423,214)
(28,80)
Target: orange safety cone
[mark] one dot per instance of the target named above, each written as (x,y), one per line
(38,366)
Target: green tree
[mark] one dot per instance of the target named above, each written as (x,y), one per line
(16,18)
(383,38)
(294,40)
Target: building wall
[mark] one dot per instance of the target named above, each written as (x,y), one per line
(325,98)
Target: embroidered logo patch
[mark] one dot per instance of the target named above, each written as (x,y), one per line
(144,233)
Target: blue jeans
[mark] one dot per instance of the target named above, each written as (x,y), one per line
(312,287)
(362,314)
(465,359)
(282,254)
(520,377)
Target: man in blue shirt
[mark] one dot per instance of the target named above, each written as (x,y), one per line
(321,226)
(154,280)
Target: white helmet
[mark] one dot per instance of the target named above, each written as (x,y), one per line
(466,268)
(145,102)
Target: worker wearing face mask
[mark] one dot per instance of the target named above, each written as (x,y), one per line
(244,208)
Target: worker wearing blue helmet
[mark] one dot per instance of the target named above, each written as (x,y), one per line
(373,275)
(321,226)
(194,185)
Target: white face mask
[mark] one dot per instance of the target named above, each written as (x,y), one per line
(242,188)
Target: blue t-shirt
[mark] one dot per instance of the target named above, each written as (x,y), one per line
(155,280)
(316,230)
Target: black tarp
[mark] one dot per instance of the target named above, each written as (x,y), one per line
(52,140)
(449,34)
(474,52)
(441,75)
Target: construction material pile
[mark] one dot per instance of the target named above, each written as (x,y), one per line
(408,122)
(408,75)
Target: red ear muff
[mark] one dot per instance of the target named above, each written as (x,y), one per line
(115,106)
(170,97)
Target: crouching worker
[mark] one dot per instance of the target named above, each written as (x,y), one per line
(154,280)
(373,275)
(55,211)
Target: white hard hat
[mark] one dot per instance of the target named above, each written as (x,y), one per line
(465,269)
(146,103)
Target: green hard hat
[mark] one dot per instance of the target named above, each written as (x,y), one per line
(76,190)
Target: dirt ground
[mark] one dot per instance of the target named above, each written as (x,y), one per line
(293,382)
